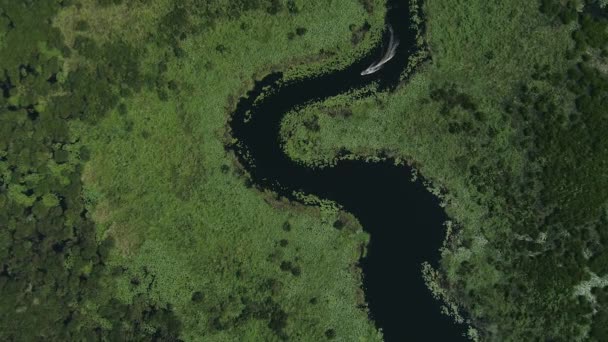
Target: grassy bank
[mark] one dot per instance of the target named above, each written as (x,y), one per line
(157,232)
(123,215)
(505,122)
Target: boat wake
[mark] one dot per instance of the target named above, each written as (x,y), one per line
(390,53)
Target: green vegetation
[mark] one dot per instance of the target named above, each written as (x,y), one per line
(54,270)
(123,216)
(508,122)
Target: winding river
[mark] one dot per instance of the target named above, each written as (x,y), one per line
(404,220)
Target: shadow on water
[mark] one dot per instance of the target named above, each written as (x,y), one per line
(404,220)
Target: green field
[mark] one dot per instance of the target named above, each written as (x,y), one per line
(124,217)
(506,123)
(140,108)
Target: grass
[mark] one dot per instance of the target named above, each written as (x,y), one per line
(123,216)
(454,121)
(160,183)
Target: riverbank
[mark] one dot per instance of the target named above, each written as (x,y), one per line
(474,121)
(192,238)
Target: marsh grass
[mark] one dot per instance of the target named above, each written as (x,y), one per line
(465,122)
(183,216)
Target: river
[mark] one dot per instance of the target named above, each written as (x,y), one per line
(404,220)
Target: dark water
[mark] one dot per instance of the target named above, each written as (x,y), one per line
(404,220)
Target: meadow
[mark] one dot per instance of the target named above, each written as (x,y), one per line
(123,215)
(145,219)
(505,123)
